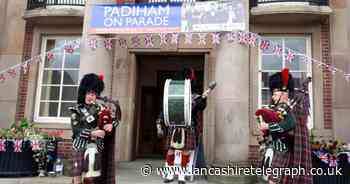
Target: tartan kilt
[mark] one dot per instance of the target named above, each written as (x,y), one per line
(78,161)
(190,139)
(80,165)
(302,153)
(280,160)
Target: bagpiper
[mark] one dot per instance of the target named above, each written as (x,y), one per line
(93,127)
(284,123)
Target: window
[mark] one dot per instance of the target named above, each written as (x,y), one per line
(57,82)
(269,63)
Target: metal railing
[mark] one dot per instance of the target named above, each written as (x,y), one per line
(32,4)
(254,3)
(169,1)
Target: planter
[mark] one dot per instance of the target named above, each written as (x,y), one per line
(17,163)
(343,164)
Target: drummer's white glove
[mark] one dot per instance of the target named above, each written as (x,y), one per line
(160,131)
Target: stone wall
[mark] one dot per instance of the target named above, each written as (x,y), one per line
(12,28)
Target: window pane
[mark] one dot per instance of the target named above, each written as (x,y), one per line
(265,79)
(69,93)
(48,109)
(299,78)
(265,97)
(77,50)
(271,62)
(52,77)
(273,41)
(50,93)
(56,62)
(64,109)
(72,60)
(50,44)
(71,77)
(297,44)
(297,64)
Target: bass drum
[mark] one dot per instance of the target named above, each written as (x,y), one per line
(177,103)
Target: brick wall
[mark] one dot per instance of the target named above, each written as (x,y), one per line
(65,152)
(327,75)
(65,149)
(254,155)
(23,79)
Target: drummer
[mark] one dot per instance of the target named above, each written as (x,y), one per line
(191,134)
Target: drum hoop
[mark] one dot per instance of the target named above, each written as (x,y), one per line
(190,101)
(165,102)
(187,102)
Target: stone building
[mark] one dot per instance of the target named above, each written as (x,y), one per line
(134,75)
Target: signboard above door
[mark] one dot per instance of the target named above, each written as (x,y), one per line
(208,16)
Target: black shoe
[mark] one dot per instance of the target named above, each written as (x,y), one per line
(181,182)
(168,181)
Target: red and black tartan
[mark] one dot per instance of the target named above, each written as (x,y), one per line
(302,152)
(298,157)
(78,161)
(191,133)
(108,162)
(108,159)
(190,138)
(280,160)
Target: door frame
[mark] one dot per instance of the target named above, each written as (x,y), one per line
(208,137)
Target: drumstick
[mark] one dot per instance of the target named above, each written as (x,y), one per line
(212,85)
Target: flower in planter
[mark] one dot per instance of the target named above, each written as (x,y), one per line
(316,145)
(40,141)
(328,151)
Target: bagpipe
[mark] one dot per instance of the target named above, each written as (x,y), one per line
(111,113)
(277,113)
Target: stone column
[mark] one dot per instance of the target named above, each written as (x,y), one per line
(12,49)
(340,48)
(95,61)
(232,101)
(124,89)
(232,98)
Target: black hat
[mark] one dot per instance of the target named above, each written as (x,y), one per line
(90,82)
(186,73)
(282,81)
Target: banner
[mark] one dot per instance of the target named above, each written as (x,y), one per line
(210,16)
(213,16)
(135,18)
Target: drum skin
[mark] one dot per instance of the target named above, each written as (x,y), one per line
(177,102)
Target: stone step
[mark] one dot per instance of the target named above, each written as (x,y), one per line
(137,164)
(235,180)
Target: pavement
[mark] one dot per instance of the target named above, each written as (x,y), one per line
(129,173)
